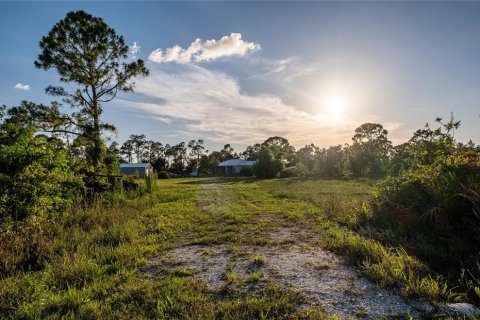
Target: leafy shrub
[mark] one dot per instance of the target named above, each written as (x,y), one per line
(288,173)
(24,246)
(301,170)
(436,208)
(163,175)
(130,183)
(267,166)
(36,177)
(150,182)
(246,172)
(445,195)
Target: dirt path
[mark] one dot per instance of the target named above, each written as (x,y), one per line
(292,259)
(252,240)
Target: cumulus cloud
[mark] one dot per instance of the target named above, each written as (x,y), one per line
(134,50)
(201,51)
(20,86)
(211,104)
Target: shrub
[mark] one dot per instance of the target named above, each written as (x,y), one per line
(150,182)
(130,183)
(444,195)
(24,246)
(436,209)
(163,175)
(36,177)
(288,172)
(301,170)
(246,172)
(267,166)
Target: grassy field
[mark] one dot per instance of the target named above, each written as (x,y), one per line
(98,262)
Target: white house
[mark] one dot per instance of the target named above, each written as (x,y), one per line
(233,166)
(142,169)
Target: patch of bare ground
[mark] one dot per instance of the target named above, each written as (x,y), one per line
(294,260)
(323,277)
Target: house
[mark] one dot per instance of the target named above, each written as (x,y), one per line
(142,169)
(233,166)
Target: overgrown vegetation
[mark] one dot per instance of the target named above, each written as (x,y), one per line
(420,228)
(93,260)
(75,235)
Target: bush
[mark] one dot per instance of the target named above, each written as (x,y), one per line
(150,182)
(445,195)
(267,166)
(301,170)
(24,246)
(35,177)
(130,183)
(246,172)
(435,209)
(163,175)
(288,172)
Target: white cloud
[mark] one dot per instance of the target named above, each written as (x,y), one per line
(20,86)
(210,104)
(134,50)
(284,70)
(200,51)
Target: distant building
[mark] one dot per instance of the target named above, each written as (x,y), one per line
(234,166)
(142,169)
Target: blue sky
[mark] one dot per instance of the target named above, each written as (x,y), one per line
(309,71)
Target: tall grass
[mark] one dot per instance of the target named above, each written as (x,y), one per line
(434,210)
(352,225)
(89,262)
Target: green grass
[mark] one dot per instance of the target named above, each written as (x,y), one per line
(94,258)
(344,224)
(94,261)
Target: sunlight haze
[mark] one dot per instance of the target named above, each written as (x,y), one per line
(241,72)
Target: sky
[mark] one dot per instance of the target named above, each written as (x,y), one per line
(240,72)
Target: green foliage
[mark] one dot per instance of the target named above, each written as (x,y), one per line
(433,205)
(267,166)
(301,170)
(208,164)
(246,172)
(93,262)
(316,162)
(368,155)
(112,163)
(163,175)
(130,183)
(35,176)
(280,147)
(288,172)
(87,53)
(150,182)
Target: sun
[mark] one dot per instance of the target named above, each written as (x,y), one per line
(332,109)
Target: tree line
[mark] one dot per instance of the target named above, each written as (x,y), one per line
(52,160)
(48,155)
(370,154)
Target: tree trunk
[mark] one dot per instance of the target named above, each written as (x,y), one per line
(98,152)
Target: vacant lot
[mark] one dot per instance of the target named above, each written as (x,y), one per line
(215,249)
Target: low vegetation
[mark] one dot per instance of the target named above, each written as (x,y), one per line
(90,263)
(76,238)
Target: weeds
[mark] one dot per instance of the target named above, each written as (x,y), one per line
(87,264)
(91,259)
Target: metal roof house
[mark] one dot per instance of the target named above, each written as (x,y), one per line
(233,166)
(142,169)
